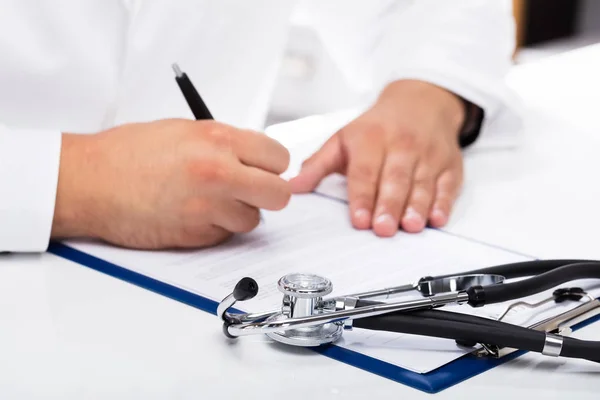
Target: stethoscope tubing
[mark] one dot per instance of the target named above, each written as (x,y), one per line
(559,274)
(423,317)
(526,268)
(473,329)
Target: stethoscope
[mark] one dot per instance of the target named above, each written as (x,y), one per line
(307,318)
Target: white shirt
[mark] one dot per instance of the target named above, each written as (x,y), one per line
(81,66)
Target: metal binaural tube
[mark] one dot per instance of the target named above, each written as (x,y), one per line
(430,286)
(386,292)
(340,316)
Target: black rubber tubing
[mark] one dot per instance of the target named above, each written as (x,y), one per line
(576,348)
(446,315)
(481,295)
(507,335)
(409,323)
(523,268)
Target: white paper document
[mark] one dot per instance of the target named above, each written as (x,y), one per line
(313,234)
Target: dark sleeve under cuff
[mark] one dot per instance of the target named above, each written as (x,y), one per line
(474,116)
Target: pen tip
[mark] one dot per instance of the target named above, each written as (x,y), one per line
(177,70)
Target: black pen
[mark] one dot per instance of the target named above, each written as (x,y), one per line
(195,102)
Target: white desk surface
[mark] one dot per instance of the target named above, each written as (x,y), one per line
(68,332)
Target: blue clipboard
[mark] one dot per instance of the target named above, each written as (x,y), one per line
(432,382)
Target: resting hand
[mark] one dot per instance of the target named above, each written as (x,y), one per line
(168,184)
(401,157)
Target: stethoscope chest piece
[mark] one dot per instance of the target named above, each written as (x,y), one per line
(303,297)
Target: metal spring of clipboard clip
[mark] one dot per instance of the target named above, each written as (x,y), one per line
(560,324)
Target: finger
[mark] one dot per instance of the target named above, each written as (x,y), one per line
(421,197)
(260,189)
(257,150)
(448,188)
(365,155)
(394,188)
(327,160)
(235,216)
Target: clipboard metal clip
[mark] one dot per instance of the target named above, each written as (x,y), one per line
(560,324)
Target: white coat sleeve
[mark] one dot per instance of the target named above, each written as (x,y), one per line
(29,167)
(464,46)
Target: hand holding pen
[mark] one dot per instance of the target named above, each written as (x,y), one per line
(194,100)
(171,183)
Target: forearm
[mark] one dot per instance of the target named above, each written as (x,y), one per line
(449,107)
(74,210)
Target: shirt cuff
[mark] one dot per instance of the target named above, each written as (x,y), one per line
(29,167)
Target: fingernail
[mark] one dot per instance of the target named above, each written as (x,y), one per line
(438,216)
(362,217)
(411,213)
(413,220)
(385,224)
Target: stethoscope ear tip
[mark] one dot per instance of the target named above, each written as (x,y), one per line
(245,289)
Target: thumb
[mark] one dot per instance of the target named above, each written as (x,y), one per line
(327,160)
